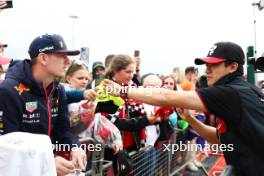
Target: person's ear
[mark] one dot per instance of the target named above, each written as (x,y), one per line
(233,67)
(43,59)
(67,79)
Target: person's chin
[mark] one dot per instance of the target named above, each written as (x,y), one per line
(82,87)
(124,83)
(210,83)
(62,74)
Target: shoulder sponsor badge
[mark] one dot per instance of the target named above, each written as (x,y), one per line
(21,88)
(31,106)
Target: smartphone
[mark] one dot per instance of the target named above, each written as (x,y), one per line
(84,55)
(9,4)
(136,53)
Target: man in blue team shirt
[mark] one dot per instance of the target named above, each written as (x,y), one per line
(33,101)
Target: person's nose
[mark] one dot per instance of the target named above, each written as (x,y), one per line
(84,81)
(207,70)
(67,61)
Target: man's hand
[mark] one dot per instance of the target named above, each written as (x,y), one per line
(63,166)
(137,62)
(2,5)
(117,146)
(78,157)
(112,88)
(153,119)
(186,114)
(90,94)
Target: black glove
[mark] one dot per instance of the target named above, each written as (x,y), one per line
(125,161)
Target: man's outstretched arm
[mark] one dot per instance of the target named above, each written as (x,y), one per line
(159,96)
(209,133)
(164,97)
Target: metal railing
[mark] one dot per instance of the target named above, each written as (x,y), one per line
(161,160)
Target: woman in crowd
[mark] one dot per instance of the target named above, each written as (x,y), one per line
(130,118)
(169,82)
(77,78)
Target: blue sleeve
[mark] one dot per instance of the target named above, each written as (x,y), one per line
(61,130)
(74,96)
(10,115)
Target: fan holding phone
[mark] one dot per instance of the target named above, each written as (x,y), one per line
(136,76)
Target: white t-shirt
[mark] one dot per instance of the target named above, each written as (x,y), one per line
(26,154)
(151,130)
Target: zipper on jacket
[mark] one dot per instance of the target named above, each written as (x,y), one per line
(48,107)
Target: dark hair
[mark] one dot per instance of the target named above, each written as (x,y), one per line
(190,70)
(119,62)
(240,68)
(202,82)
(174,81)
(33,61)
(75,66)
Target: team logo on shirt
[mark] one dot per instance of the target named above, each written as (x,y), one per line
(31,118)
(21,88)
(31,106)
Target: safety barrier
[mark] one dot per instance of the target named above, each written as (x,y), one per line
(95,159)
(161,160)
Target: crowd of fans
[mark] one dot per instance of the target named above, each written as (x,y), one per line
(139,123)
(52,95)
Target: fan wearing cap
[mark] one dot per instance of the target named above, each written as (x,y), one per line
(238,106)
(36,103)
(98,71)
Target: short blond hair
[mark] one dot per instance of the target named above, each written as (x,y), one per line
(178,75)
(152,80)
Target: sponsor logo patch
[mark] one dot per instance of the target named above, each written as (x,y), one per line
(31,106)
(21,88)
